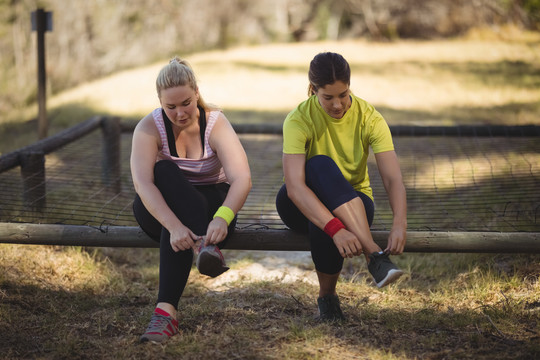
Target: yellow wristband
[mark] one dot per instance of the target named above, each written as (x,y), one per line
(225,213)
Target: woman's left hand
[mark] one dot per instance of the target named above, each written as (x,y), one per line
(217,231)
(396,241)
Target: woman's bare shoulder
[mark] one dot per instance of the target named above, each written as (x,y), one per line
(147,124)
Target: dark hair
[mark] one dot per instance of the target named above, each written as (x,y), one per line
(327,68)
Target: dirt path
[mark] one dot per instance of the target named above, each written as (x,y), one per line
(282,266)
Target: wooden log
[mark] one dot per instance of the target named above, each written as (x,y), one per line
(248,239)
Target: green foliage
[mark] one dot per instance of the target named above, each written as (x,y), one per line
(532,7)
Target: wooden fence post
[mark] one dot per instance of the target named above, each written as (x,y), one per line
(33,177)
(111,166)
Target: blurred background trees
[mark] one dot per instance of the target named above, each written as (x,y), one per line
(95,38)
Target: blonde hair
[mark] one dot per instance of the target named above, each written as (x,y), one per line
(179,73)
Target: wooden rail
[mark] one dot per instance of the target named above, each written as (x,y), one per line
(401,130)
(31,158)
(248,239)
(12,159)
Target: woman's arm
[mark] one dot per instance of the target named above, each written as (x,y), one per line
(300,194)
(388,165)
(232,156)
(143,158)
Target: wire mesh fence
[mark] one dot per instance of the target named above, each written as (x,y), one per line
(454,183)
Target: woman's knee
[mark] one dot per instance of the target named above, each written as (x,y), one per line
(164,168)
(320,163)
(325,178)
(289,213)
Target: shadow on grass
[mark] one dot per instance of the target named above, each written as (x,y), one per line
(51,324)
(526,113)
(518,74)
(263,320)
(24,132)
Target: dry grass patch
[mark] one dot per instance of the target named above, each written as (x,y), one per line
(431,77)
(456,306)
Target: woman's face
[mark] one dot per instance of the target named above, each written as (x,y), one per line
(335,99)
(180,105)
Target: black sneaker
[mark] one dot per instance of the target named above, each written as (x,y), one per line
(383,270)
(329,309)
(211,262)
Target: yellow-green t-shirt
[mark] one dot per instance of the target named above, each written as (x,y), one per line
(309,130)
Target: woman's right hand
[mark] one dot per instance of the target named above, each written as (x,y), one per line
(182,238)
(347,243)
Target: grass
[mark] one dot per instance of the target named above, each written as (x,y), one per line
(78,303)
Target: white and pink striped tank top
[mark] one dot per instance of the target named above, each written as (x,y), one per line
(204,171)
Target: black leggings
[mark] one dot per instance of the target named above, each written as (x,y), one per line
(325,179)
(195,207)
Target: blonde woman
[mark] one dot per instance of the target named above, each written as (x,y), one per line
(191,176)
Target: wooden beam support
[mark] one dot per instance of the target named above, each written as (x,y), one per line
(248,239)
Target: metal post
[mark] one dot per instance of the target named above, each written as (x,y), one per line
(41,22)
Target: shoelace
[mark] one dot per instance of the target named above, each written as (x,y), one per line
(380,257)
(220,255)
(158,322)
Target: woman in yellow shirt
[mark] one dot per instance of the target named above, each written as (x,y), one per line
(327,192)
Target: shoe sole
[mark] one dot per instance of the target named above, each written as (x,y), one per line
(145,339)
(148,341)
(210,265)
(392,276)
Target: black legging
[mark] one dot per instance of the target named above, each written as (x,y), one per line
(325,179)
(195,207)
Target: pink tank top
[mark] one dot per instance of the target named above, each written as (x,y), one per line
(204,171)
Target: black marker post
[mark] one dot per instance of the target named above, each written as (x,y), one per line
(41,22)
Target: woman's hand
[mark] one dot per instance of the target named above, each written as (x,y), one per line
(396,240)
(347,243)
(217,231)
(182,238)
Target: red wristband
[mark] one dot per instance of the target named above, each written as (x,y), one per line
(333,226)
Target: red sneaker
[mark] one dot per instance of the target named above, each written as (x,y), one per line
(162,326)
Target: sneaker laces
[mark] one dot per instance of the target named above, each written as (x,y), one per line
(160,322)
(379,257)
